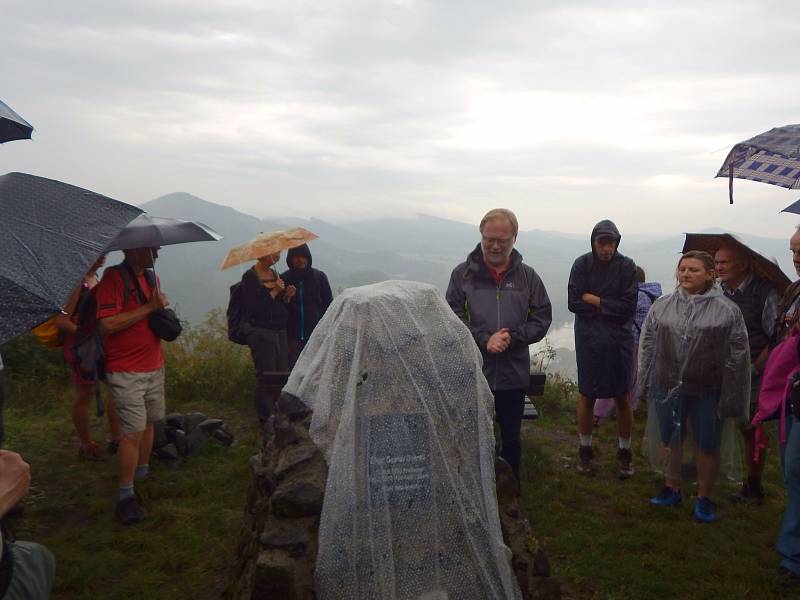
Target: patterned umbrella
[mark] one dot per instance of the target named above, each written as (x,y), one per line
(50,234)
(12,126)
(772,157)
(761,265)
(267,243)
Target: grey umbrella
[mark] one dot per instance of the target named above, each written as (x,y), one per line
(50,234)
(147,231)
(12,126)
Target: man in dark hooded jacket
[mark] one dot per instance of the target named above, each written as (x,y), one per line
(602,292)
(312,297)
(505,305)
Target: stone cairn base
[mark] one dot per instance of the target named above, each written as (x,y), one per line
(278,540)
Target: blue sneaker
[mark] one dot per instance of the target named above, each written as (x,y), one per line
(667,497)
(704,510)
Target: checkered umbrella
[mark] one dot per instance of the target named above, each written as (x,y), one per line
(772,157)
(12,126)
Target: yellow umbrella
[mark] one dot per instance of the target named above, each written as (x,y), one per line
(267,243)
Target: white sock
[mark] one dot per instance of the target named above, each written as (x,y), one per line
(625,443)
(586,440)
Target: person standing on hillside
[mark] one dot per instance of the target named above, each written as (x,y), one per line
(602,292)
(649,292)
(758,300)
(310,301)
(264,316)
(134,366)
(505,305)
(85,384)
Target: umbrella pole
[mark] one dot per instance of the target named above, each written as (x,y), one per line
(730,182)
(153,262)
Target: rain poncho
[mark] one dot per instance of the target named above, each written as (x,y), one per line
(403,416)
(695,346)
(604,336)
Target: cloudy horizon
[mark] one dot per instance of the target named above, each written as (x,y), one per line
(347,110)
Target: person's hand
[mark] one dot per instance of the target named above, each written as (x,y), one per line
(591,299)
(289,292)
(280,284)
(15,478)
(498,341)
(158,301)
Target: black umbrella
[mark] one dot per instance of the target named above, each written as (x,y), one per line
(794,207)
(50,234)
(760,265)
(12,126)
(147,231)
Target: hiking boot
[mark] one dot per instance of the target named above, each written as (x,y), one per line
(90,451)
(704,510)
(586,455)
(129,511)
(112,446)
(751,491)
(625,467)
(667,497)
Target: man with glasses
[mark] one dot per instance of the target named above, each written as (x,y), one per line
(505,305)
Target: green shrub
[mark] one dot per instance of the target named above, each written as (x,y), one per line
(203,365)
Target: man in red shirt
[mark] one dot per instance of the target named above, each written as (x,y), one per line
(134,368)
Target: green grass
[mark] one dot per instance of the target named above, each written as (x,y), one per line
(185,549)
(605,541)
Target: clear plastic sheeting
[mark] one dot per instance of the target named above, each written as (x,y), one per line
(694,373)
(403,416)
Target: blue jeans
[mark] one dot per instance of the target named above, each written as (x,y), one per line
(789,536)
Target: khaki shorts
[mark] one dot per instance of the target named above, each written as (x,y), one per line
(138,397)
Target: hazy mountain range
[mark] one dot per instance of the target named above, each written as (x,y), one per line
(424,249)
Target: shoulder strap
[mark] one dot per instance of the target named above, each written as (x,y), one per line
(129,276)
(649,294)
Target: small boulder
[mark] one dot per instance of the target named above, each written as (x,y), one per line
(297,499)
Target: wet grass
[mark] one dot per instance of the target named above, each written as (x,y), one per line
(605,541)
(185,549)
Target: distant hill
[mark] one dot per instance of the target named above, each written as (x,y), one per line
(425,248)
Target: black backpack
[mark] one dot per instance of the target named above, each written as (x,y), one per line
(234,314)
(89,355)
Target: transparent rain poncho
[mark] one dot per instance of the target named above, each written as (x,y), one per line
(693,349)
(403,416)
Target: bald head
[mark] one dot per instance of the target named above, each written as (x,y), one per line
(732,266)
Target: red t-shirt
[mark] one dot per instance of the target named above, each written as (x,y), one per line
(497,275)
(135,349)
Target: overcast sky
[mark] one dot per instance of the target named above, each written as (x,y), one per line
(564,112)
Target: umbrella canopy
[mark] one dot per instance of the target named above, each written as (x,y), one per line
(50,234)
(147,231)
(267,243)
(12,126)
(794,207)
(761,265)
(772,157)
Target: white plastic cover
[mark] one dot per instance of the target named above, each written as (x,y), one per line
(403,416)
(693,346)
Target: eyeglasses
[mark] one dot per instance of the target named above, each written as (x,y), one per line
(498,241)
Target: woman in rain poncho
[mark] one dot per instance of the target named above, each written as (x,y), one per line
(694,373)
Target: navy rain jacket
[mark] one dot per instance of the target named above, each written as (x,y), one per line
(604,336)
(312,299)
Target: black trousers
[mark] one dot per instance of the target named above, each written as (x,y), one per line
(270,352)
(508,408)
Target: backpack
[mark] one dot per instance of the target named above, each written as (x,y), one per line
(89,354)
(234,315)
